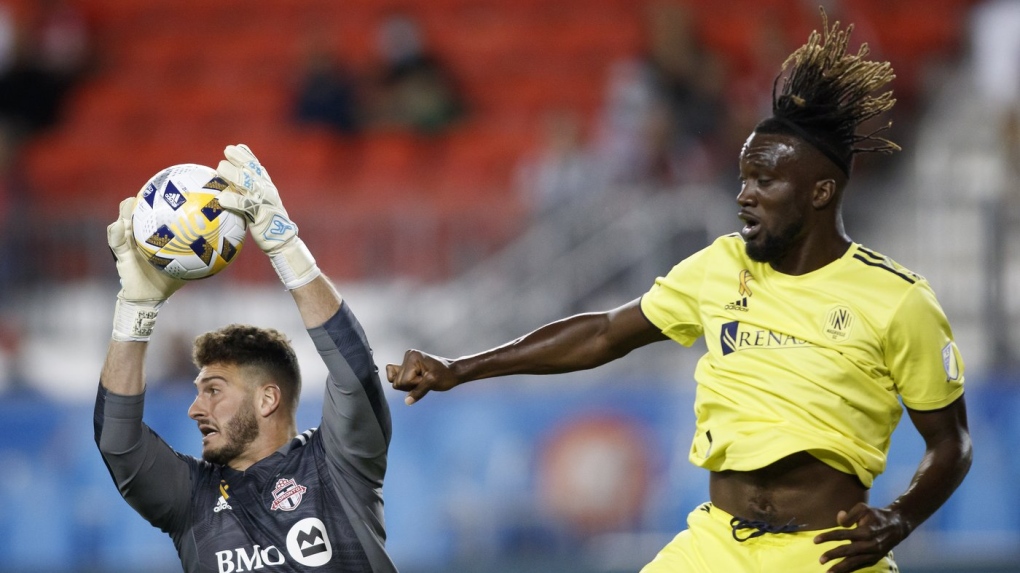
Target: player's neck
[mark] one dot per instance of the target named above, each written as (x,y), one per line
(812,253)
(262,447)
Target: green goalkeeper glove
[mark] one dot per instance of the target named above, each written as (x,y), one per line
(257,199)
(143,288)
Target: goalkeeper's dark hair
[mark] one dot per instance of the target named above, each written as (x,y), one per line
(826,96)
(264,349)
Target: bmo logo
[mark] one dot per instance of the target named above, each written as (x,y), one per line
(237,560)
(307,543)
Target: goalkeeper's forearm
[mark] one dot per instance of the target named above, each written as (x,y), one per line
(123,371)
(317,301)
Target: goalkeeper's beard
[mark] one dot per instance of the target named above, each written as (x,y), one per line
(239,432)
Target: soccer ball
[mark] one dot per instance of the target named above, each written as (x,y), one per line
(180,227)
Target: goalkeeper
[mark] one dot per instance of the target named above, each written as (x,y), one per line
(262,495)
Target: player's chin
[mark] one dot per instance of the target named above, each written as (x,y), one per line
(756,251)
(214,455)
(211,452)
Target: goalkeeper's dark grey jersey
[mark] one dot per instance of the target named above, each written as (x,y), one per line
(314,505)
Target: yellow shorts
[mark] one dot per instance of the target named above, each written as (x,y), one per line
(707,546)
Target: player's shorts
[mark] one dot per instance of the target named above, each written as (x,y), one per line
(708,546)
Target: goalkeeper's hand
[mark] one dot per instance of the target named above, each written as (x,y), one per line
(256,198)
(143,288)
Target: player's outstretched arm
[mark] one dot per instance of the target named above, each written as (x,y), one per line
(146,471)
(255,197)
(355,422)
(579,342)
(947,459)
(143,291)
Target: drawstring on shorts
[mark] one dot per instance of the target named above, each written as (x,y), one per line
(760,528)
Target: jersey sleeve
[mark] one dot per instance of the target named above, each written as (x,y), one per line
(356,424)
(672,302)
(149,474)
(921,354)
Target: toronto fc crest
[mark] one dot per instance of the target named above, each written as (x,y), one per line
(287,495)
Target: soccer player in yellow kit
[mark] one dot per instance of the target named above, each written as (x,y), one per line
(812,342)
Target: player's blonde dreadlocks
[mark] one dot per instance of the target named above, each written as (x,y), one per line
(825,96)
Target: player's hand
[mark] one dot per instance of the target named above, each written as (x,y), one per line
(256,199)
(143,288)
(877,531)
(140,282)
(419,374)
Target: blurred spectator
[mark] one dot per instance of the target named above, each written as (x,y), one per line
(623,120)
(560,170)
(995,33)
(996,48)
(8,39)
(63,39)
(17,263)
(664,113)
(638,140)
(749,95)
(328,93)
(51,53)
(175,369)
(415,89)
(687,76)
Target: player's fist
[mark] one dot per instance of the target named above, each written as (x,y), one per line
(421,373)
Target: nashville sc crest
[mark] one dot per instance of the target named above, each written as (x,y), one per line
(287,495)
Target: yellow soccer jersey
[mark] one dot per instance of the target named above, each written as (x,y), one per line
(811,363)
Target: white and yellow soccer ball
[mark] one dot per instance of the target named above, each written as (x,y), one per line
(179,225)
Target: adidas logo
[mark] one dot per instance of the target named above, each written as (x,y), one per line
(221,505)
(739,304)
(175,200)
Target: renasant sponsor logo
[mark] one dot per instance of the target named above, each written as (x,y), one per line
(733,338)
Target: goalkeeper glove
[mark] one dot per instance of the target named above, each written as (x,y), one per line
(258,200)
(143,288)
